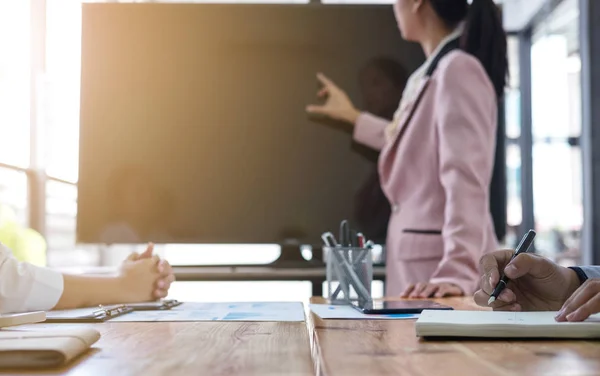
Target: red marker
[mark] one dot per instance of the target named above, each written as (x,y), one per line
(361,240)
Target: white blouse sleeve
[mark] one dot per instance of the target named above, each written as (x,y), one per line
(25,287)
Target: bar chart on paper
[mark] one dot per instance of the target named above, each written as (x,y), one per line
(257,311)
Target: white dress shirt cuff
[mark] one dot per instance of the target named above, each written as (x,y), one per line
(591,271)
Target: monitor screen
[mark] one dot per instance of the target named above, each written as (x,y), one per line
(193,122)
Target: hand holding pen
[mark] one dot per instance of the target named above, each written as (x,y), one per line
(523,247)
(536,284)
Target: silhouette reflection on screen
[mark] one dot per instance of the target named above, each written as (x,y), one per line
(382,81)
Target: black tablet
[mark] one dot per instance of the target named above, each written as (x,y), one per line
(401,306)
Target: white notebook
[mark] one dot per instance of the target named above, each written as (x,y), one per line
(15,319)
(43,348)
(488,324)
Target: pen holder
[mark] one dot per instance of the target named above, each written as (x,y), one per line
(349,274)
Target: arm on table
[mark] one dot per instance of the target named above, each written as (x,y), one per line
(25,287)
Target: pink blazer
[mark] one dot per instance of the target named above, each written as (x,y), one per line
(436,174)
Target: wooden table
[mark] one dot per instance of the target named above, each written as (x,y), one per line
(328,347)
(193,348)
(361,348)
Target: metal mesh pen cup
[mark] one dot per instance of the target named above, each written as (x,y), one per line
(349,274)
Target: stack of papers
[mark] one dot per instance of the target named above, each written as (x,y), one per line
(269,311)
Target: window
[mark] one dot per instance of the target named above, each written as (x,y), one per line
(14,109)
(61,89)
(512,108)
(13,196)
(61,210)
(556,125)
(15,83)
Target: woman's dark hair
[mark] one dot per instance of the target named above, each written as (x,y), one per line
(483,36)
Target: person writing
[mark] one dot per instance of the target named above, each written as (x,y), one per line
(437,154)
(26,287)
(539,284)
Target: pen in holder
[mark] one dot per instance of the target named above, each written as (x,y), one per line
(349,274)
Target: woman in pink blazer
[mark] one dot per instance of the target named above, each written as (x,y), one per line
(437,154)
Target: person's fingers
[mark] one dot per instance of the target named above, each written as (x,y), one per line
(527,263)
(492,281)
(505,307)
(162,286)
(154,260)
(323,92)
(407,291)
(569,300)
(323,79)
(133,256)
(484,282)
(418,290)
(448,290)
(442,292)
(502,306)
(560,316)
(580,297)
(507,296)
(148,252)
(506,299)
(481,298)
(170,279)
(490,265)
(499,305)
(586,310)
(165,282)
(429,290)
(164,267)
(317,110)
(516,307)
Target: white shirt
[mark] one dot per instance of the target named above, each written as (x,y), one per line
(591,271)
(25,287)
